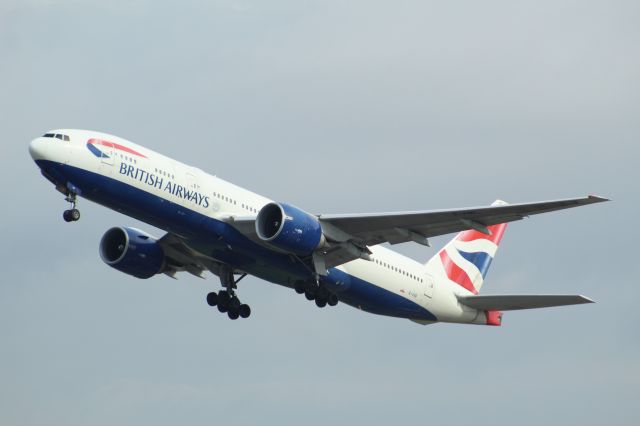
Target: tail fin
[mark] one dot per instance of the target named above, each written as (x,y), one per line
(465,260)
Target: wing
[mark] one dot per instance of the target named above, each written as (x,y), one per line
(350,234)
(392,227)
(363,230)
(512,303)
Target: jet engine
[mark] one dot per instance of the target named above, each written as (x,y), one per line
(133,252)
(289,229)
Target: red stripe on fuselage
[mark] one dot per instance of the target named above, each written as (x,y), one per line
(114,146)
(455,273)
(497,231)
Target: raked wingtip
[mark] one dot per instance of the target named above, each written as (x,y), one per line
(597,199)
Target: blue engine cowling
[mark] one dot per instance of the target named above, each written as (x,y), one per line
(290,229)
(133,252)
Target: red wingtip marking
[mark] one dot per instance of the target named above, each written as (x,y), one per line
(455,273)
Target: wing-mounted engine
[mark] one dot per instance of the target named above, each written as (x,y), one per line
(133,252)
(289,229)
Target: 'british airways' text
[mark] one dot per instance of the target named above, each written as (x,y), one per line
(158,182)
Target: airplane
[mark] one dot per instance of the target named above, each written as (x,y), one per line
(214,226)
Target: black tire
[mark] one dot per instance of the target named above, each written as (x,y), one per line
(321,302)
(322,293)
(233,313)
(244,311)
(333,300)
(224,301)
(234,303)
(212,299)
(75,215)
(66,215)
(299,287)
(310,293)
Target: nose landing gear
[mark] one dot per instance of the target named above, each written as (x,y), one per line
(73,214)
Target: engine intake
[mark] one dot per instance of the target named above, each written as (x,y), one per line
(290,229)
(132,251)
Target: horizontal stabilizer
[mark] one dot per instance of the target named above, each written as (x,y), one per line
(517,302)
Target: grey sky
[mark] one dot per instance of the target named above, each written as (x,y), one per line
(336,107)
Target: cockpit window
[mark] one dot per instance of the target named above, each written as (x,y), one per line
(57,136)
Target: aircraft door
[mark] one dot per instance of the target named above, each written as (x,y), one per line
(192,183)
(193,179)
(428,285)
(107,159)
(108,155)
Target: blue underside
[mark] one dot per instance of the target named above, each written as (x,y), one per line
(223,242)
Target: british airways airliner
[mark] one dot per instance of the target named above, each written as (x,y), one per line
(215,226)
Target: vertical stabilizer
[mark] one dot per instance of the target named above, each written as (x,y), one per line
(466,259)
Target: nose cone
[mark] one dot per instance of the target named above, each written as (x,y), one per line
(38,148)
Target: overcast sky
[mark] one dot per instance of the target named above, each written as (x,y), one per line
(337,107)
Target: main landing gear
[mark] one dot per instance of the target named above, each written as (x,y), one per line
(73,214)
(316,291)
(226,300)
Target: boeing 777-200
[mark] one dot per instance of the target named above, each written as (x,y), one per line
(213,225)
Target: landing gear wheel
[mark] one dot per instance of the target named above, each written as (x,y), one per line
(322,293)
(223,301)
(321,302)
(244,311)
(233,313)
(333,300)
(299,287)
(310,293)
(234,303)
(74,214)
(212,299)
(67,216)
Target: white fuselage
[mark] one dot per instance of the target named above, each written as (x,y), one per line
(145,172)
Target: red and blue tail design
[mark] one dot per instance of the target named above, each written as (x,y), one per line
(466,259)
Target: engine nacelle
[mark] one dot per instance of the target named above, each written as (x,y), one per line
(290,229)
(133,252)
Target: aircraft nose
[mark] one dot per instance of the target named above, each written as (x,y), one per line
(37,148)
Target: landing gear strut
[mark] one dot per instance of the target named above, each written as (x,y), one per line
(226,300)
(73,214)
